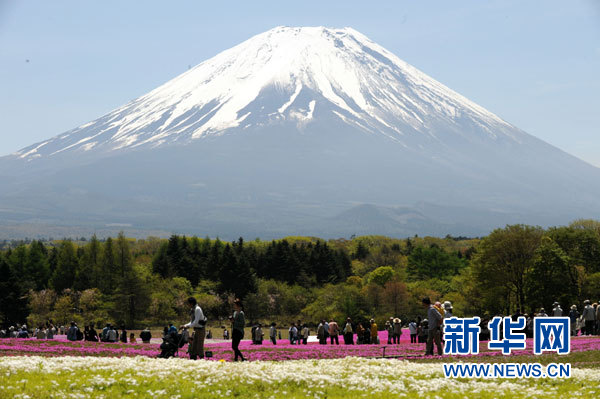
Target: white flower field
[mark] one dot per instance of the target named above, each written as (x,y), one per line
(96,377)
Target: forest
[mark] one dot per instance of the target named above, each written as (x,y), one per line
(145,282)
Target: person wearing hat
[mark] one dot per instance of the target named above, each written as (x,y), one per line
(447,310)
(389,327)
(542,313)
(573,315)
(556,310)
(589,317)
(397,330)
(374,332)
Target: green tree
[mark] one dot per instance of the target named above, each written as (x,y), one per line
(132,296)
(41,305)
(122,255)
(65,310)
(66,267)
(552,278)
(235,275)
(37,268)
(503,261)
(108,281)
(582,245)
(381,275)
(92,306)
(13,299)
(433,262)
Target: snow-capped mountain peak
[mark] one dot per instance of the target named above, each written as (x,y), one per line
(287,75)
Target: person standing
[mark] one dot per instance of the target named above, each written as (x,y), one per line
(273,333)
(574,316)
(296,333)
(589,317)
(359,334)
(434,319)
(598,319)
(389,327)
(556,310)
(239,322)
(321,333)
(334,331)
(397,331)
(258,334)
(374,332)
(412,327)
(198,323)
(447,309)
(348,333)
(305,333)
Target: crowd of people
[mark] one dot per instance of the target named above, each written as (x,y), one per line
(74,333)
(427,330)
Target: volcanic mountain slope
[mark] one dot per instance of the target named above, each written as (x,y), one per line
(294,131)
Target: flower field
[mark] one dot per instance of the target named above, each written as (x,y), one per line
(31,368)
(265,352)
(98,377)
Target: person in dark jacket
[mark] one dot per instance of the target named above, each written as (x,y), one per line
(239,322)
(72,332)
(123,337)
(146,335)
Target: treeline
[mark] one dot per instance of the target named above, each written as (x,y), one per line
(237,265)
(137,282)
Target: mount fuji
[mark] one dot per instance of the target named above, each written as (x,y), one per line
(298,131)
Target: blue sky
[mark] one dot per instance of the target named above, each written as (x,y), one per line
(534,63)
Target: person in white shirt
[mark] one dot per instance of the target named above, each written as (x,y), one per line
(198,323)
(412,327)
(557,310)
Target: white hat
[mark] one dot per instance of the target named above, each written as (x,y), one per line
(447,305)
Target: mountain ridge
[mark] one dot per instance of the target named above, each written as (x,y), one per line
(286,133)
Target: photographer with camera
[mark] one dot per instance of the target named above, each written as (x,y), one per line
(198,323)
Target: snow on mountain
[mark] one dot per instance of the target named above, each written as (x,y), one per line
(337,71)
(298,131)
